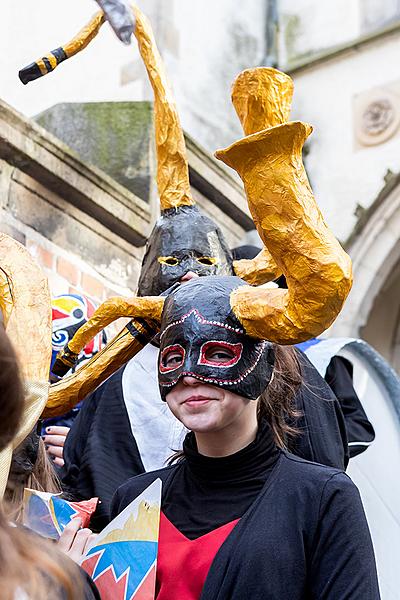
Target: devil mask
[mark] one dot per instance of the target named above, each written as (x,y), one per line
(201,337)
(182,240)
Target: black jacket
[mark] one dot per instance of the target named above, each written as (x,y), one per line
(305,537)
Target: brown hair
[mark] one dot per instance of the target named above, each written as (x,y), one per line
(277,402)
(30,564)
(27,562)
(42,478)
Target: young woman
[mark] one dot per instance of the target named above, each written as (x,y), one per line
(241,516)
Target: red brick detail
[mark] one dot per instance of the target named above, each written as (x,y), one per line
(92,286)
(67,270)
(44,257)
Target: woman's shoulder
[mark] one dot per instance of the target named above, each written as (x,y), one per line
(134,486)
(313,475)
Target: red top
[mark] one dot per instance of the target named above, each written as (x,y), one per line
(183,564)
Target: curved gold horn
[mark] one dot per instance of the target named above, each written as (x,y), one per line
(262,99)
(146,311)
(48,63)
(172,165)
(258,270)
(26,308)
(317,269)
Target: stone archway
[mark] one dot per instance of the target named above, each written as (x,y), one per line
(375,250)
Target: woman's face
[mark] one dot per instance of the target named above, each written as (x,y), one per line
(202,407)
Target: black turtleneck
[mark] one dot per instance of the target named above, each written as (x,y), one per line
(209,492)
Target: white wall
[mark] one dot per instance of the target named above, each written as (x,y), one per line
(342,174)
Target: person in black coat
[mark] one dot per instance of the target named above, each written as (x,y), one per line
(240,515)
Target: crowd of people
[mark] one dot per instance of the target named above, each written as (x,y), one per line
(249,441)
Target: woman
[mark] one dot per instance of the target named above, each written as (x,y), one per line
(241,516)
(30,568)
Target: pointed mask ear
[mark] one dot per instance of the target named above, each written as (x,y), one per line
(258,270)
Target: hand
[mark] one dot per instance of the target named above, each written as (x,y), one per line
(54,440)
(74,541)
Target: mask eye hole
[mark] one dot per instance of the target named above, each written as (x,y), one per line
(172,261)
(207,260)
(172,357)
(220,354)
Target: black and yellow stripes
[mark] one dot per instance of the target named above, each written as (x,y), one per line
(48,63)
(44,65)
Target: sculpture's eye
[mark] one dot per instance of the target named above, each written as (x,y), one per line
(207,260)
(172,261)
(172,357)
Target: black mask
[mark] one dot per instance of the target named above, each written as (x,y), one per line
(198,326)
(183,240)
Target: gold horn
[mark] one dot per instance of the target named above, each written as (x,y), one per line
(258,270)
(262,99)
(317,269)
(26,308)
(48,63)
(172,165)
(146,311)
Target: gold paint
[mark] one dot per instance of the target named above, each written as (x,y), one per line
(147,307)
(42,66)
(6,296)
(52,60)
(262,98)
(172,261)
(172,165)
(70,390)
(85,35)
(26,307)
(207,260)
(258,270)
(142,528)
(288,220)
(78,42)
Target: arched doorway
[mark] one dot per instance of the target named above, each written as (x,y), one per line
(372,310)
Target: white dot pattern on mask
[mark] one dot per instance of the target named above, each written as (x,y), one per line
(201,320)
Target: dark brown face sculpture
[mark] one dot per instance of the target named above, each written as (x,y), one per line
(182,240)
(197,327)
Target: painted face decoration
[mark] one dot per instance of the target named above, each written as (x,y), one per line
(201,338)
(182,240)
(69,312)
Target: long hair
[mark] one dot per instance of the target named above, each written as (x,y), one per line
(32,567)
(29,565)
(277,403)
(42,478)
